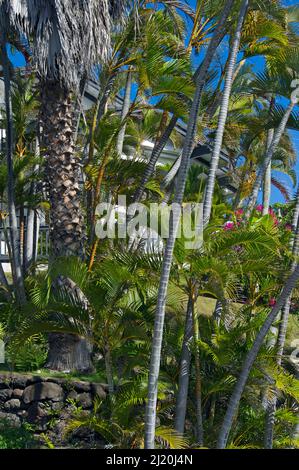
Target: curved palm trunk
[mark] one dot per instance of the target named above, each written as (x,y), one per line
(67,230)
(156,153)
(223,114)
(125,110)
(169,177)
(282,331)
(269,154)
(150,417)
(16,265)
(251,357)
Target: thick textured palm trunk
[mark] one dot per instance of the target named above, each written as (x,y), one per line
(18,281)
(251,357)
(150,418)
(223,113)
(67,231)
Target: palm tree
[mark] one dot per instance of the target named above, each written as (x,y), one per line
(124,112)
(56,32)
(282,331)
(150,419)
(269,153)
(184,372)
(199,75)
(251,357)
(5,24)
(223,113)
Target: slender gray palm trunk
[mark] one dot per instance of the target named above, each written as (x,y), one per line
(14,232)
(282,331)
(223,113)
(156,153)
(31,216)
(168,178)
(269,154)
(183,386)
(125,110)
(150,417)
(251,357)
(267,177)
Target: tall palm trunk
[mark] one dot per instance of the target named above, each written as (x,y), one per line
(183,386)
(251,357)
(150,418)
(267,177)
(67,231)
(198,397)
(271,408)
(125,110)
(14,232)
(156,153)
(223,113)
(269,154)
(31,217)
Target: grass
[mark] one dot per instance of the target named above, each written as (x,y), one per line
(96,377)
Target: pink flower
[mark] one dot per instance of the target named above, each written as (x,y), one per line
(271,211)
(272,302)
(239,213)
(288,227)
(259,208)
(228,225)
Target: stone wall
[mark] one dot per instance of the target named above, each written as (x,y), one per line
(45,403)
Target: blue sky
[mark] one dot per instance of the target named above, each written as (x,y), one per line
(18,61)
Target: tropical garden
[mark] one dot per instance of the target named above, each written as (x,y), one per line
(197,346)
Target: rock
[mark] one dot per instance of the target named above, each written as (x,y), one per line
(17,393)
(84,400)
(11,419)
(17,381)
(36,411)
(43,391)
(22,413)
(97,390)
(12,405)
(5,394)
(73,395)
(3,385)
(81,386)
(33,379)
